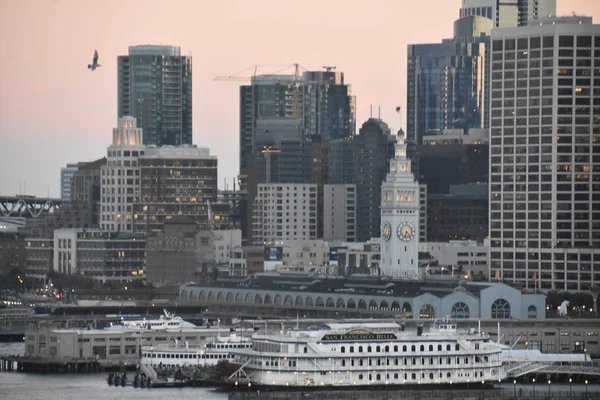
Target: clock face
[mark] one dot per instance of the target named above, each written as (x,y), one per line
(387,231)
(406,232)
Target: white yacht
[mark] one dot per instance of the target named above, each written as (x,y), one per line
(210,352)
(371,354)
(164,322)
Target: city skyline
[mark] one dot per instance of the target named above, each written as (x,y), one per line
(54,111)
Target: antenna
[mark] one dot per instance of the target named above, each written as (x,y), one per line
(379,116)
(371,116)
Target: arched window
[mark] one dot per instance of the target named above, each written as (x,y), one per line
(422,348)
(460,310)
(532,312)
(439,347)
(427,311)
(430,347)
(500,309)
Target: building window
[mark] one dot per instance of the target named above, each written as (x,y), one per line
(500,309)
(460,310)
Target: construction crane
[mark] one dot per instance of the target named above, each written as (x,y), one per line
(328,68)
(294,85)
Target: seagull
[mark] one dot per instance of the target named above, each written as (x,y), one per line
(94,64)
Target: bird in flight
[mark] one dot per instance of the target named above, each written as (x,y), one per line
(94,64)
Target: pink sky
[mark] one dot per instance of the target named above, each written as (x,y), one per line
(53,110)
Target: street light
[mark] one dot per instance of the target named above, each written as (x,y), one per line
(570,387)
(549,382)
(515,388)
(586,382)
(533,387)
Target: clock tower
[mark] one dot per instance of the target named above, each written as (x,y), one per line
(400,217)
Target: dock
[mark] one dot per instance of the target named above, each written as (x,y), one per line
(45,365)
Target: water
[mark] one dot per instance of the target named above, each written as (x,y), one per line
(21,386)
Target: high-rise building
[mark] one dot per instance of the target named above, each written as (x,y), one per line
(155,86)
(120,185)
(509,13)
(373,148)
(447,82)
(66,174)
(86,187)
(320,103)
(285,212)
(545,155)
(339,212)
(400,206)
(178,180)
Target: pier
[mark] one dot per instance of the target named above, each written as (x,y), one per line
(17,363)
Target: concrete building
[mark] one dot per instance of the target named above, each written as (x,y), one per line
(86,186)
(179,253)
(69,215)
(246,260)
(447,82)
(339,212)
(285,212)
(102,256)
(155,87)
(400,222)
(545,155)
(454,158)
(39,257)
(506,14)
(66,174)
(308,253)
(359,258)
(224,241)
(175,180)
(12,253)
(464,257)
(120,186)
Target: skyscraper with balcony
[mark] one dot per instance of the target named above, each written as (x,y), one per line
(545,155)
(155,87)
(509,13)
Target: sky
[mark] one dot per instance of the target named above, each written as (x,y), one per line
(54,111)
